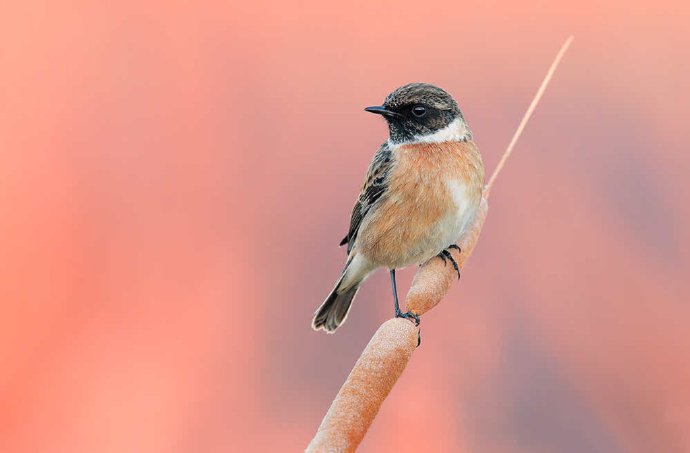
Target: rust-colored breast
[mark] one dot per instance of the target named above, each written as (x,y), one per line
(402,227)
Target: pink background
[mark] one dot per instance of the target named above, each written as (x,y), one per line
(175,178)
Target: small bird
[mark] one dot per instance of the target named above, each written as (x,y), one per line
(420,194)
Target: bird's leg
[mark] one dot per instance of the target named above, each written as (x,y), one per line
(395,295)
(398,313)
(446,255)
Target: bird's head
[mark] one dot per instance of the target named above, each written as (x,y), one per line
(422,113)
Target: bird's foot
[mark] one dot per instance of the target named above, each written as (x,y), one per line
(408,315)
(447,256)
(414,318)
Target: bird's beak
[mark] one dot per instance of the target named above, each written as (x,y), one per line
(379,110)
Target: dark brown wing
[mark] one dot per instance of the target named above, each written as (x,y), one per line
(375,185)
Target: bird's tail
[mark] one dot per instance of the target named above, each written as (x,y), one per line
(333,311)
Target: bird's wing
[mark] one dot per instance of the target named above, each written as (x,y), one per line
(375,185)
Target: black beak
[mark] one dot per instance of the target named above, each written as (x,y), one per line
(379,110)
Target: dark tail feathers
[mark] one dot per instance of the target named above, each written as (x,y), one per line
(334,310)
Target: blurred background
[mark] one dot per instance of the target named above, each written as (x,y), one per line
(175,178)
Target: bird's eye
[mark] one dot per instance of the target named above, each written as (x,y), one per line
(419,111)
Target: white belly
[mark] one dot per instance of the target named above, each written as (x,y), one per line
(448,229)
(453,225)
(465,210)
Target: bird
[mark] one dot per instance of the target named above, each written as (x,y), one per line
(420,194)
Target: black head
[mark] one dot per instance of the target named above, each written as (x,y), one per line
(420,110)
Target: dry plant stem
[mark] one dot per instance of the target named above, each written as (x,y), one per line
(527,115)
(391,347)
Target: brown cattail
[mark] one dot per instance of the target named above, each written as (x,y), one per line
(368,384)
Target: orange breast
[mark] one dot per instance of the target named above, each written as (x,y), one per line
(406,225)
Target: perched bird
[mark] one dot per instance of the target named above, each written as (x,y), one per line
(420,194)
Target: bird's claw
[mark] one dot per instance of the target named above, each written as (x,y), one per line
(409,315)
(446,255)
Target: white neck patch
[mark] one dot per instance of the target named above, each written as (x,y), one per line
(456,131)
